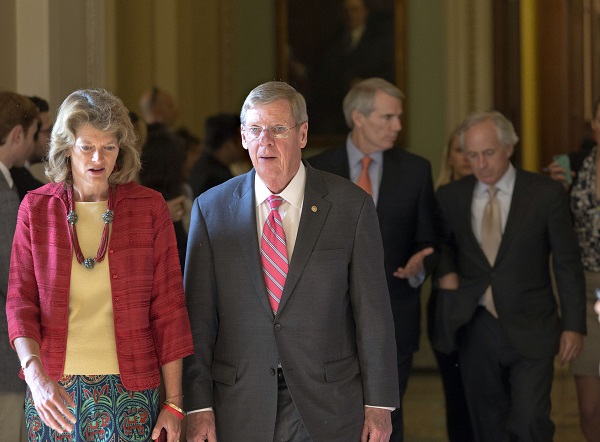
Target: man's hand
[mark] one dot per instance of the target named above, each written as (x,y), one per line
(414,266)
(597,309)
(201,427)
(378,425)
(570,345)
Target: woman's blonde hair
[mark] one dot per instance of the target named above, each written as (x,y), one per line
(103,111)
(445,175)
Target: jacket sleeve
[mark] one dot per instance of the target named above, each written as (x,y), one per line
(168,313)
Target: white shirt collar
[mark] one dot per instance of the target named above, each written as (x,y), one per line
(4,170)
(293,193)
(355,155)
(505,185)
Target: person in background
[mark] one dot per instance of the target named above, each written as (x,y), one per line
(18,124)
(21,174)
(401,186)
(222,148)
(501,230)
(159,110)
(163,160)
(454,166)
(193,150)
(293,330)
(42,137)
(140,129)
(95,302)
(585,206)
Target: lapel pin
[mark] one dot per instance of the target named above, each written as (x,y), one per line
(314,208)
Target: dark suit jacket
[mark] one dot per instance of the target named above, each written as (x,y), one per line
(333,331)
(406,211)
(207,172)
(9,362)
(24,181)
(538,226)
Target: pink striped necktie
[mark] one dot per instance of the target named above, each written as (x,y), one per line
(273,253)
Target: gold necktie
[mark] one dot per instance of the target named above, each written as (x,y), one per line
(491,236)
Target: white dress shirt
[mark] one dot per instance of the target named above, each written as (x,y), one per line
(505,186)
(290,209)
(4,170)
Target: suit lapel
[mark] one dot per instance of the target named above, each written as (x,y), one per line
(391,177)
(243,214)
(518,208)
(314,214)
(339,163)
(464,202)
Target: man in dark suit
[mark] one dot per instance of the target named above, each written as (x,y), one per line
(287,298)
(18,118)
(402,189)
(500,228)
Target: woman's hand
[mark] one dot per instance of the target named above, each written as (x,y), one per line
(170,423)
(558,173)
(50,399)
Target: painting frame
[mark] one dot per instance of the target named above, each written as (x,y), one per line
(292,17)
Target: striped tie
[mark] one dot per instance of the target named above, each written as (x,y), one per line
(273,253)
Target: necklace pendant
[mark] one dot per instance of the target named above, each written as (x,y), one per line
(72,217)
(89,263)
(108,216)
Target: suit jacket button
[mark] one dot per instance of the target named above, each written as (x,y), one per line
(277,327)
(272,371)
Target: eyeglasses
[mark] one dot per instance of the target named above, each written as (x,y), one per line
(278,131)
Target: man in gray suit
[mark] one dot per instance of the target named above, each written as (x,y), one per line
(18,125)
(500,228)
(311,357)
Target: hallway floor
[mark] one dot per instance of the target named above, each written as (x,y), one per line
(424,408)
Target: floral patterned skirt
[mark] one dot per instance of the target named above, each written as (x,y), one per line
(106,412)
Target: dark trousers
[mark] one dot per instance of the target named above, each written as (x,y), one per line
(508,395)
(404,364)
(458,423)
(288,426)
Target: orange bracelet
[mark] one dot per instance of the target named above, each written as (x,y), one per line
(174,409)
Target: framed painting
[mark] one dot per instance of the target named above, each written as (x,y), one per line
(324,47)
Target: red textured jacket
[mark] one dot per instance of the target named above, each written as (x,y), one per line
(151,322)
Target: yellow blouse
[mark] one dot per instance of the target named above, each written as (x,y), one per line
(91,346)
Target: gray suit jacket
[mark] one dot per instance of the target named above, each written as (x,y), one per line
(538,227)
(333,334)
(9,362)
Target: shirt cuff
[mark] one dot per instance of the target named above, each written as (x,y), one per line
(417,280)
(383,408)
(198,411)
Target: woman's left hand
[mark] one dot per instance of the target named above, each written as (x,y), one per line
(171,425)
